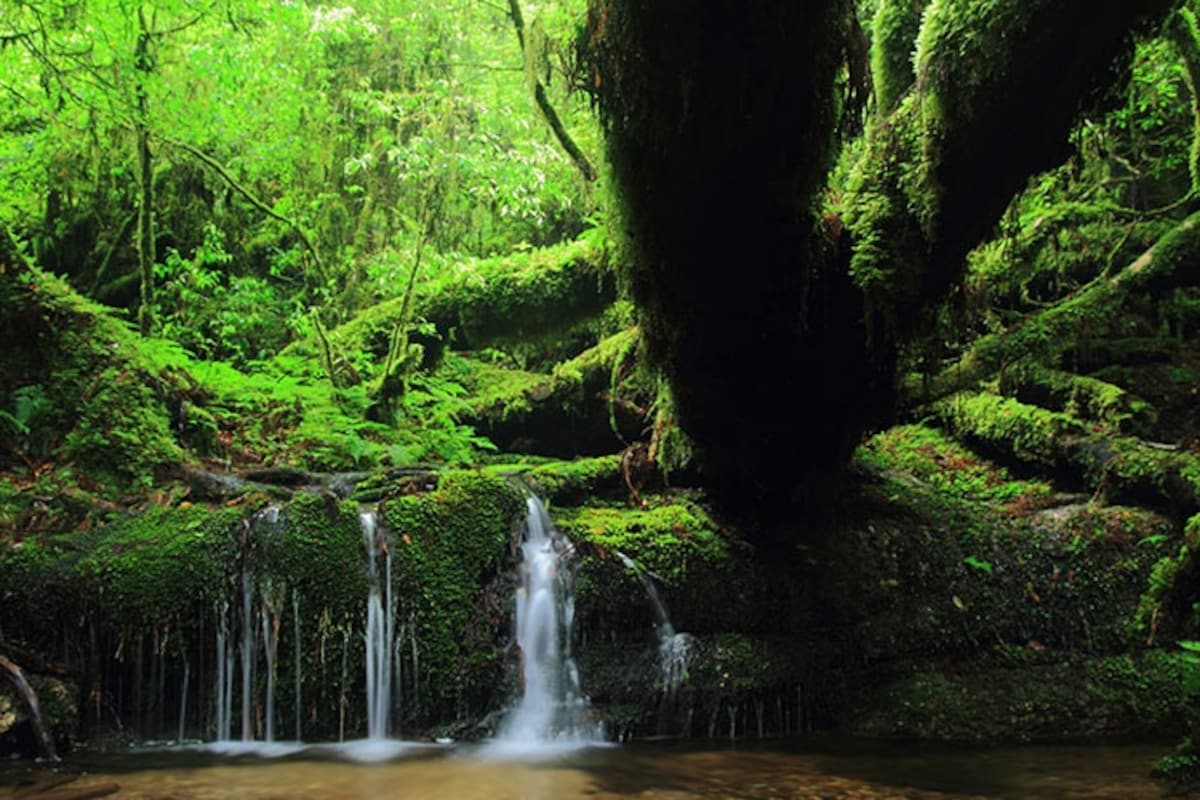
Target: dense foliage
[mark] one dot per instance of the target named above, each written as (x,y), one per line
(252,237)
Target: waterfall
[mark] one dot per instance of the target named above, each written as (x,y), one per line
(674,649)
(247,653)
(269,649)
(552,709)
(224,688)
(381,629)
(297,671)
(183,699)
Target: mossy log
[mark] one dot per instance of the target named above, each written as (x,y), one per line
(589,405)
(1124,468)
(1087,398)
(1093,312)
(502,299)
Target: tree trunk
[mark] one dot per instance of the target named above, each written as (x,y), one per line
(718,117)
(143,64)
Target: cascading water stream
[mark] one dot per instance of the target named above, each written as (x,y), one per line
(224,688)
(247,653)
(674,649)
(552,709)
(381,629)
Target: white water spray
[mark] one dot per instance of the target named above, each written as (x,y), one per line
(552,709)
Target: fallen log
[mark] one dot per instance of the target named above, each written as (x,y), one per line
(583,408)
(507,298)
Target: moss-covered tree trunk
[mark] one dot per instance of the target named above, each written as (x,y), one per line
(143,64)
(777,324)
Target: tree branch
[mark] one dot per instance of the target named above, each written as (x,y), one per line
(220,169)
(572,150)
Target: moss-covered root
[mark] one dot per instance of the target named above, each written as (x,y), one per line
(1173,261)
(893,37)
(1124,468)
(921,195)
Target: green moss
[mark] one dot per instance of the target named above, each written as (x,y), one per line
(446,545)
(566,481)
(1023,696)
(893,38)
(940,462)
(674,538)
(121,426)
(165,566)
(315,549)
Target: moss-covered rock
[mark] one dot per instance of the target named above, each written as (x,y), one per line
(911,573)
(94,393)
(1023,695)
(448,546)
(1180,769)
(674,541)
(731,686)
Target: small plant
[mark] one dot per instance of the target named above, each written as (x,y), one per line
(979,564)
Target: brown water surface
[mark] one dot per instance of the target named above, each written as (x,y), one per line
(823,769)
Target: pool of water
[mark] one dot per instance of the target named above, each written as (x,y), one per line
(817,768)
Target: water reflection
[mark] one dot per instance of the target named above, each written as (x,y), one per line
(813,768)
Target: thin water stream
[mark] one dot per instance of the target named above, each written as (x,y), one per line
(815,767)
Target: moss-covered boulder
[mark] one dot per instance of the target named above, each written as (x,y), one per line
(450,548)
(1029,695)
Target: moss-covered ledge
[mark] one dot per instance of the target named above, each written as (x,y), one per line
(133,606)
(1027,695)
